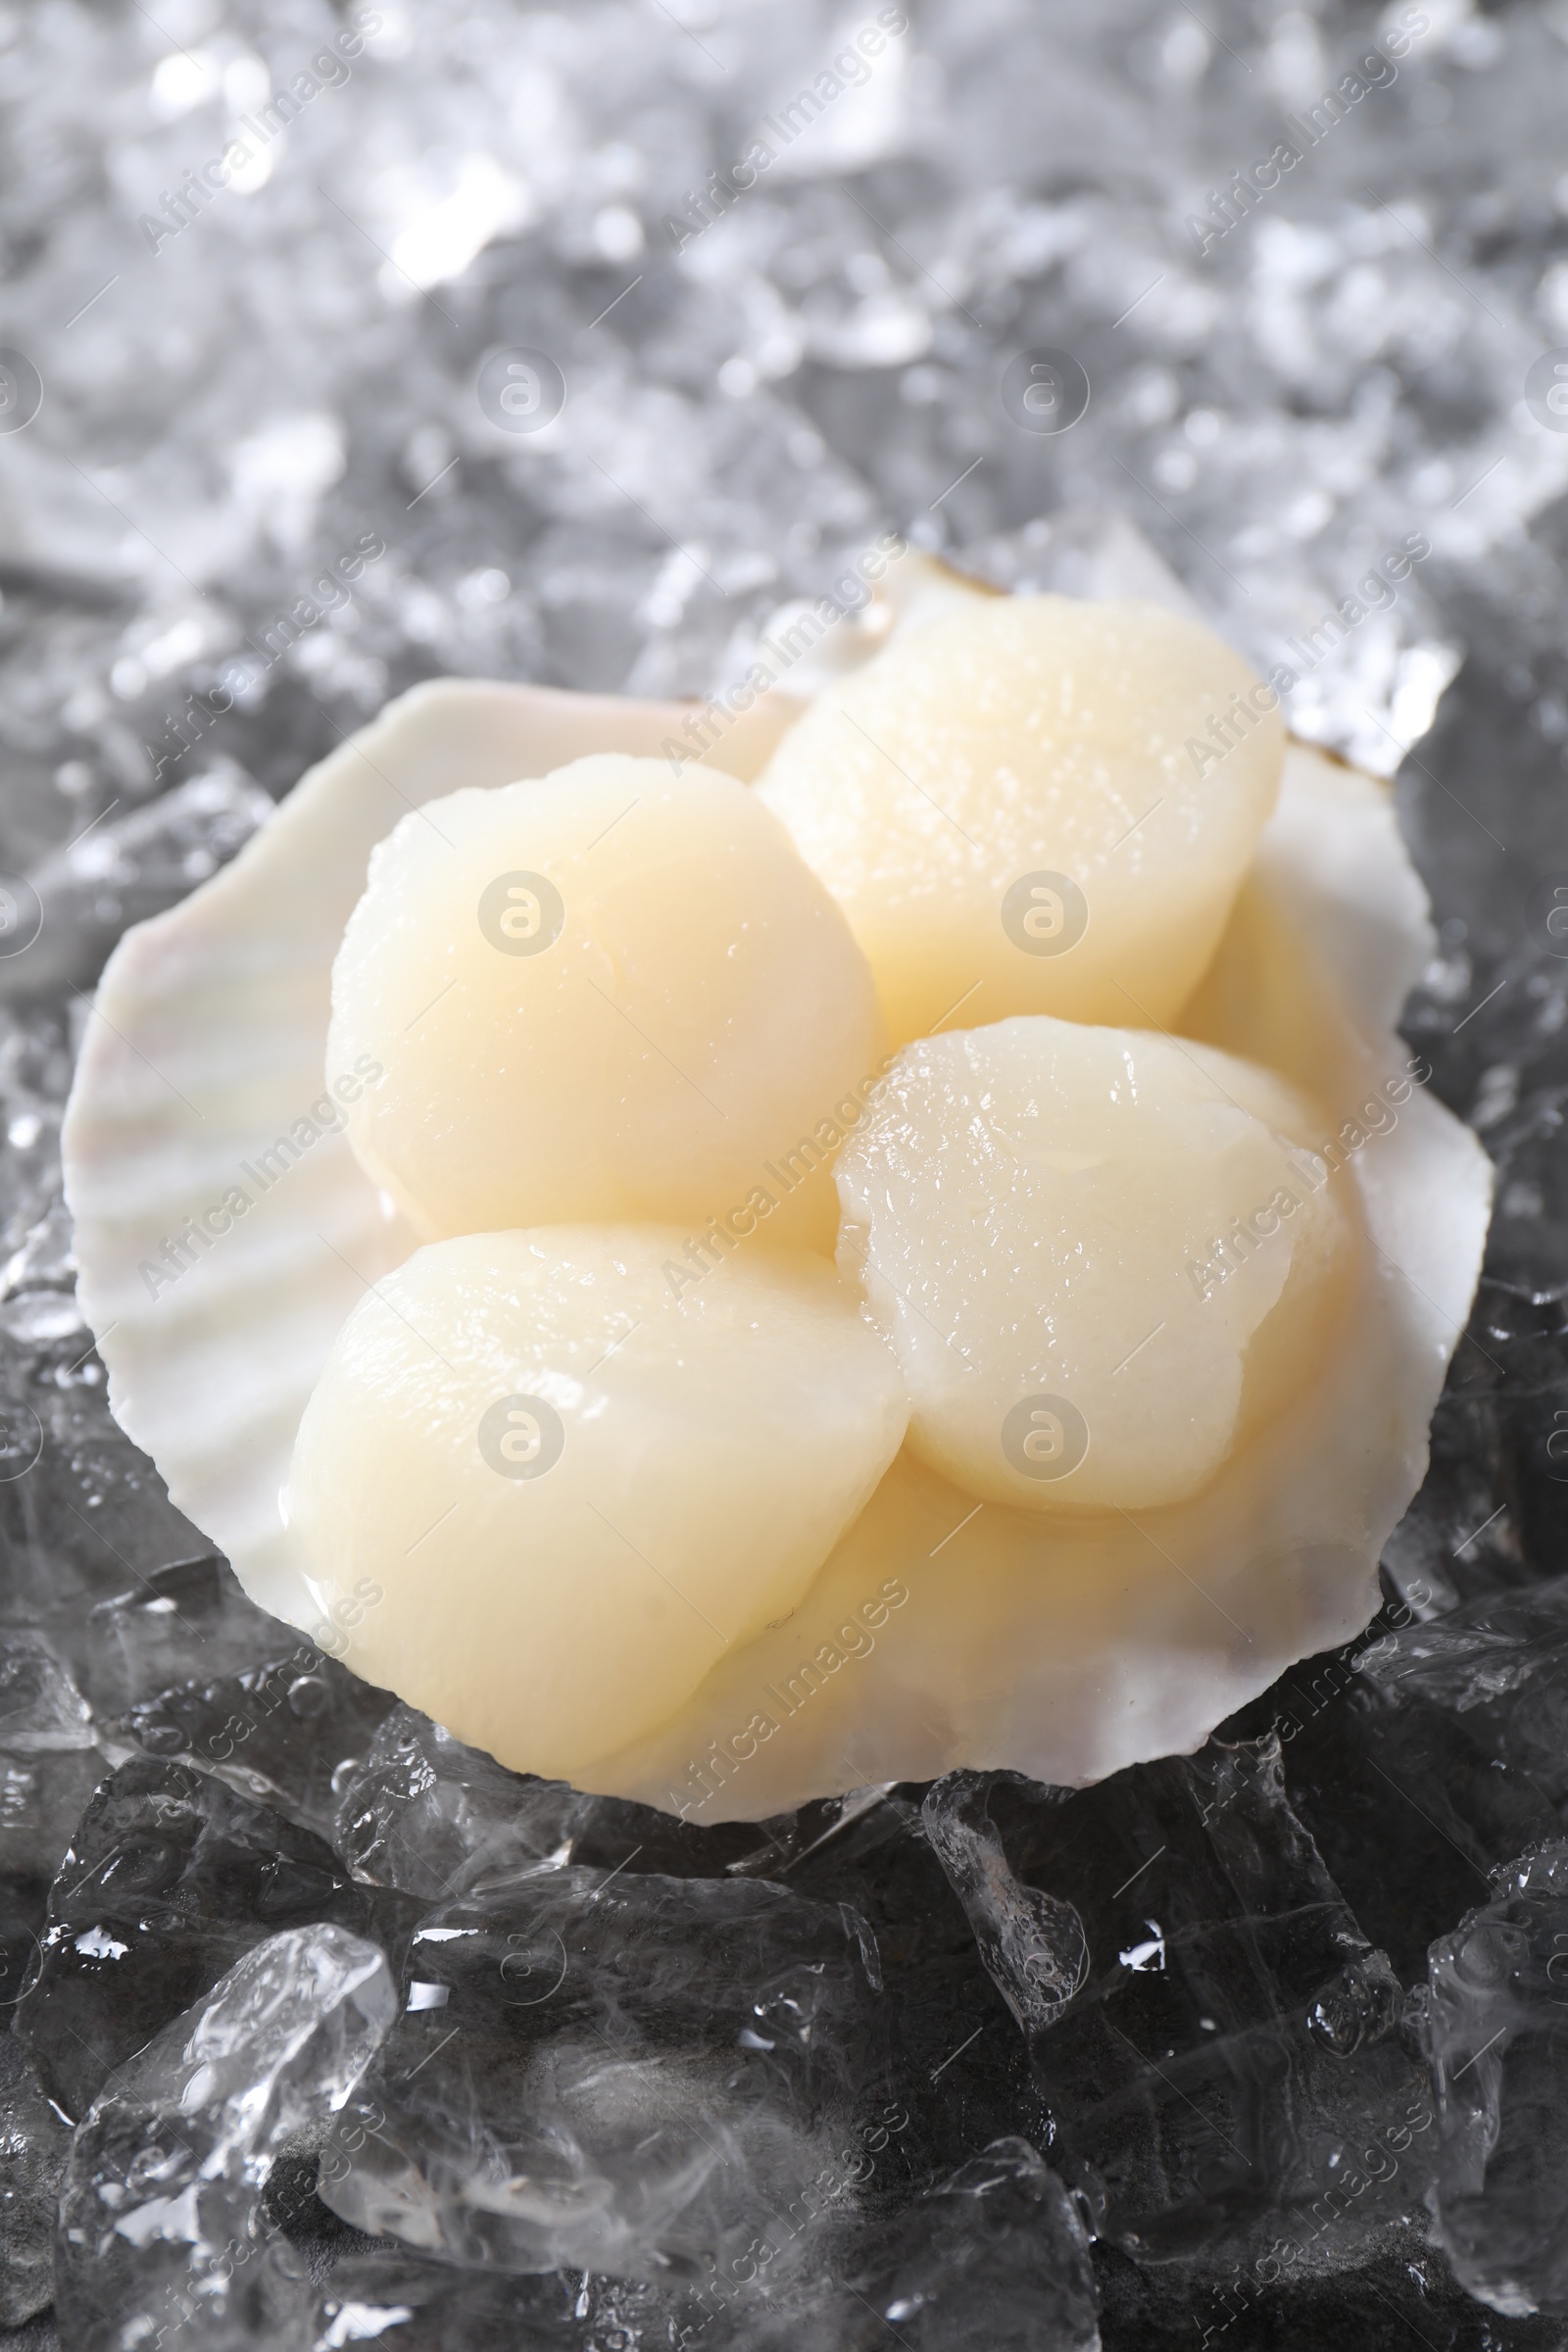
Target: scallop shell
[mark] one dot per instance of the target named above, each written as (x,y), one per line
(224,1234)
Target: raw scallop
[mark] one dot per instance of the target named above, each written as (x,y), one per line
(547,1479)
(1101,1255)
(1035,805)
(610,993)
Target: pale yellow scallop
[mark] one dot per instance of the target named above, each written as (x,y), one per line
(1102,1257)
(1038,806)
(547,1479)
(611,993)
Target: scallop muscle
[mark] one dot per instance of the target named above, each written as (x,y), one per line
(611,993)
(1038,806)
(1102,1257)
(547,1478)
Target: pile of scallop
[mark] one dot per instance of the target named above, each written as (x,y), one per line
(887,1281)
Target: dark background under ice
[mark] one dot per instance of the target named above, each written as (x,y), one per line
(224,418)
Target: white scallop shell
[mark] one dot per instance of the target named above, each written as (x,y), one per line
(1111,1643)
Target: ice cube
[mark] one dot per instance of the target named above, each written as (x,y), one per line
(427,1814)
(1496,1984)
(620,2073)
(1218,2044)
(162,2231)
(169,1880)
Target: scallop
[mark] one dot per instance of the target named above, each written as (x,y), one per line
(611,993)
(226,1234)
(578,1451)
(1099,1255)
(1035,805)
